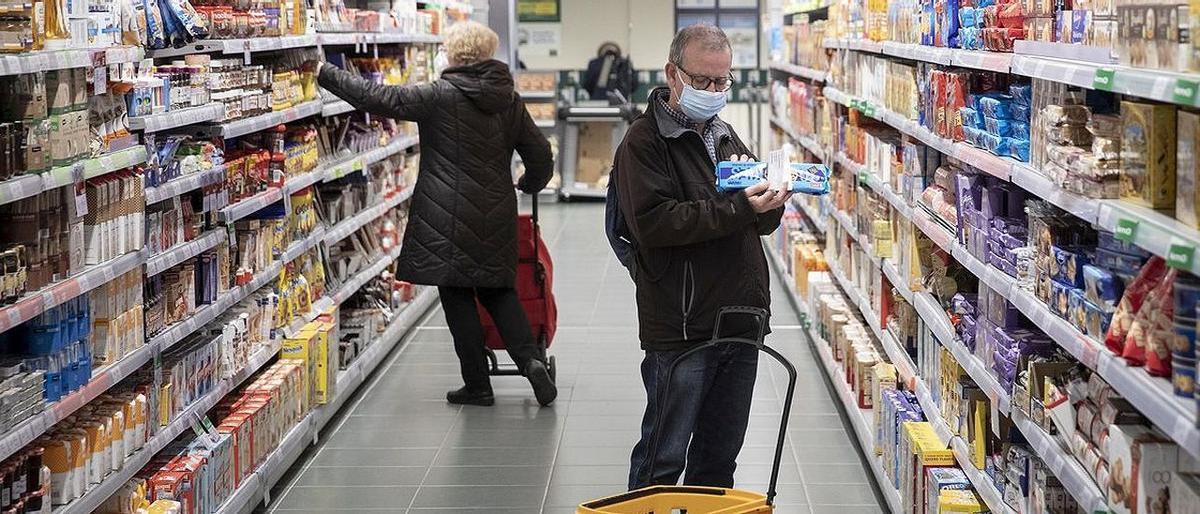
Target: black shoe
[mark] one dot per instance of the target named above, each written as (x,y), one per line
(466,396)
(543,386)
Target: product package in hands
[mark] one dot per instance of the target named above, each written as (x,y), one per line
(796,177)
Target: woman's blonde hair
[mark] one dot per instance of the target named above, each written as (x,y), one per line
(469,42)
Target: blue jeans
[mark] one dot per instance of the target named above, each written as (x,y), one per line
(708,406)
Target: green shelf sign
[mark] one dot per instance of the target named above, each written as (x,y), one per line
(1104,79)
(1185,91)
(1126,230)
(1180,256)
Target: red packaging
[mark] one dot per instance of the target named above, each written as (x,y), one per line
(1158,304)
(1157,352)
(1135,294)
(1001,39)
(937,82)
(956,99)
(237,427)
(1010,15)
(991,16)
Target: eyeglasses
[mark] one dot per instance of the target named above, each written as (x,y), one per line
(702,82)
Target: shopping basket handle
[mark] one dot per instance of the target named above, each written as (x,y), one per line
(762,317)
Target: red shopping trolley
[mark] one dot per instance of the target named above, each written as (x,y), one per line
(535,289)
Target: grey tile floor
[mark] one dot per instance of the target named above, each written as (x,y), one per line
(398,446)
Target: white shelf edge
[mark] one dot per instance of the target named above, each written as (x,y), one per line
(232,129)
(179,253)
(25,186)
(250,205)
(56,294)
(179,118)
(346,227)
(354,283)
(800,71)
(185,184)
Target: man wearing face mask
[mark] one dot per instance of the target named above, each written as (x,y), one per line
(696,250)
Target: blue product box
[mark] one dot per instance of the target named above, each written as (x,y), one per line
(1022,94)
(1060,298)
(1066,265)
(1077,310)
(1101,286)
(1014,147)
(1108,242)
(997,106)
(1098,318)
(807,178)
(971,118)
(1119,263)
(1006,128)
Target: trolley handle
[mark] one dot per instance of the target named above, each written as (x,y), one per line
(761,317)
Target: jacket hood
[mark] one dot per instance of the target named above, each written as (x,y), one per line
(488,84)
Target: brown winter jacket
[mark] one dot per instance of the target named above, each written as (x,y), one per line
(697,249)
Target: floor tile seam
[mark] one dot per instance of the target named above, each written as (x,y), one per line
(359,395)
(436,454)
(788,440)
(554,460)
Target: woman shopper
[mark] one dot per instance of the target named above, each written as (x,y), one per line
(462,230)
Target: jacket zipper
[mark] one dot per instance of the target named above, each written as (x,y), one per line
(687,296)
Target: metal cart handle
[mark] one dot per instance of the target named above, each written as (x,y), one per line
(761,315)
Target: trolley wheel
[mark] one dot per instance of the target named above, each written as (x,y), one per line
(552,368)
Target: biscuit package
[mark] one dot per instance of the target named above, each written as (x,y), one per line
(1148,154)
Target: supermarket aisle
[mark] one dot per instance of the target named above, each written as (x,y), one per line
(402,448)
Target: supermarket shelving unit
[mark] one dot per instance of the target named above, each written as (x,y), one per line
(549,127)
(201,120)
(1158,233)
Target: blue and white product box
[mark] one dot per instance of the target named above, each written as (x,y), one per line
(807,178)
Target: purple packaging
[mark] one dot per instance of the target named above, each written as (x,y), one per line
(1016,204)
(1000,253)
(964,303)
(1015,237)
(1010,226)
(1008,268)
(977,244)
(967,326)
(1081,19)
(966,190)
(995,200)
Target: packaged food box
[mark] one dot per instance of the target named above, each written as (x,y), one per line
(1148,160)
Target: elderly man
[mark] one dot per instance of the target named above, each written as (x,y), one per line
(696,250)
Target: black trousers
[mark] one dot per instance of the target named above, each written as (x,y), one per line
(463,319)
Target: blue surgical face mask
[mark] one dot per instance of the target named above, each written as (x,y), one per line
(700,106)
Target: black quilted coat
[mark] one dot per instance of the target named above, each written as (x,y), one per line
(462,229)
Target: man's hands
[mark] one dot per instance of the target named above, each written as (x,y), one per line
(762,198)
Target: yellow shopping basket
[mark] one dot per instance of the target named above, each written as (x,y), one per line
(671,499)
